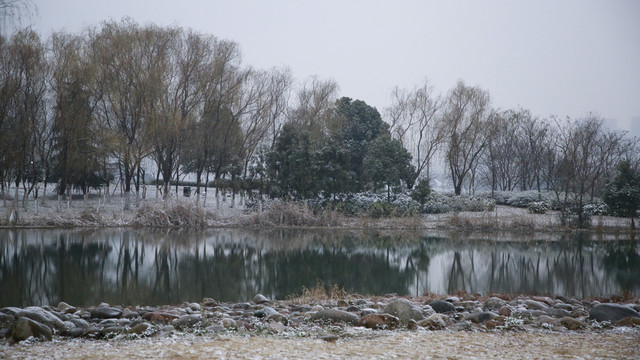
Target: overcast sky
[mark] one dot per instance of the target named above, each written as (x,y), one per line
(556,57)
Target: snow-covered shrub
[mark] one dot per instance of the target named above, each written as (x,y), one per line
(538,207)
(368,204)
(520,199)
(441,203)
(594,209)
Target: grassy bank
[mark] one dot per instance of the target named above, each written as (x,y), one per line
(225,211)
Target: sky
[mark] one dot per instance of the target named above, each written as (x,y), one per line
(553,57)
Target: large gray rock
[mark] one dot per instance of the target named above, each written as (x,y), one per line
(440,306)
(260,299)
(404,310)
(335,315)
(611,312)
(482,317)
(42,316)
(187,321)
(25,328)
(264,312)
(559,313)
(536,305)
(493,303)
(105,312)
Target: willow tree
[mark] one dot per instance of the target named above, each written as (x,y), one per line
(23,116)
(467,112)
(129,62)
(77,159)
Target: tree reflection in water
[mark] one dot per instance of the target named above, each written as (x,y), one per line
(129,266)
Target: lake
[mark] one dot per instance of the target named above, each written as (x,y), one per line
(85,267)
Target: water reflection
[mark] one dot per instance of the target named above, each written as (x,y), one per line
(128,266)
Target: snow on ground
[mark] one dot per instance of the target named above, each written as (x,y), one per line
(369,344)
(224,210)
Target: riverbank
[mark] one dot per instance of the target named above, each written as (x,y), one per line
(226,212)
(332,324)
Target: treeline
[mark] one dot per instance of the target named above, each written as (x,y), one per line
(80,110)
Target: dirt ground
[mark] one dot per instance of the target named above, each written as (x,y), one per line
(369,344)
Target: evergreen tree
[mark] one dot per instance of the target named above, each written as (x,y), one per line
(622,195)
(388,163)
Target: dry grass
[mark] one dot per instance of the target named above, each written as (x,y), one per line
(174,214)
(280,213)
(319,293)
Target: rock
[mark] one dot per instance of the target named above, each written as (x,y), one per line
(492,324)
(635,307)
(6,321)
(612,312)
(367,311)
(493,303)
(404,310)
(160,316)
(535,305)
(275,327)
(42,316)
(111,331)
(572,324)
(522,313)
(260,299)
(433,322)
(79,323)
(379,321)
(463,326)
(559,313)
(505,311)
(342,303)
(187,321)
(579,313)
(228,323)
(243,306)
(65,308)
(264,312)
(25,328)
(482,317)
(544,299)
(440,306)
(334,315)
(140,328)
(563,306)
(209,302)
(629,322)
(105,312)
(546,319)
(277,317)
(130,314)
(452,299)
(194,306)
(412,325)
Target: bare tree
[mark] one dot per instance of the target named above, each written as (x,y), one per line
(586,156)
(415,120)
(14,12)
(467,112)
(313,106)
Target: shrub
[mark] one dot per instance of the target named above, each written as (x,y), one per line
(538,207)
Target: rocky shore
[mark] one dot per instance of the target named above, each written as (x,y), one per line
(326,319)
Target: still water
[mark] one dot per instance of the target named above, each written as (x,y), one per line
(154,267)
